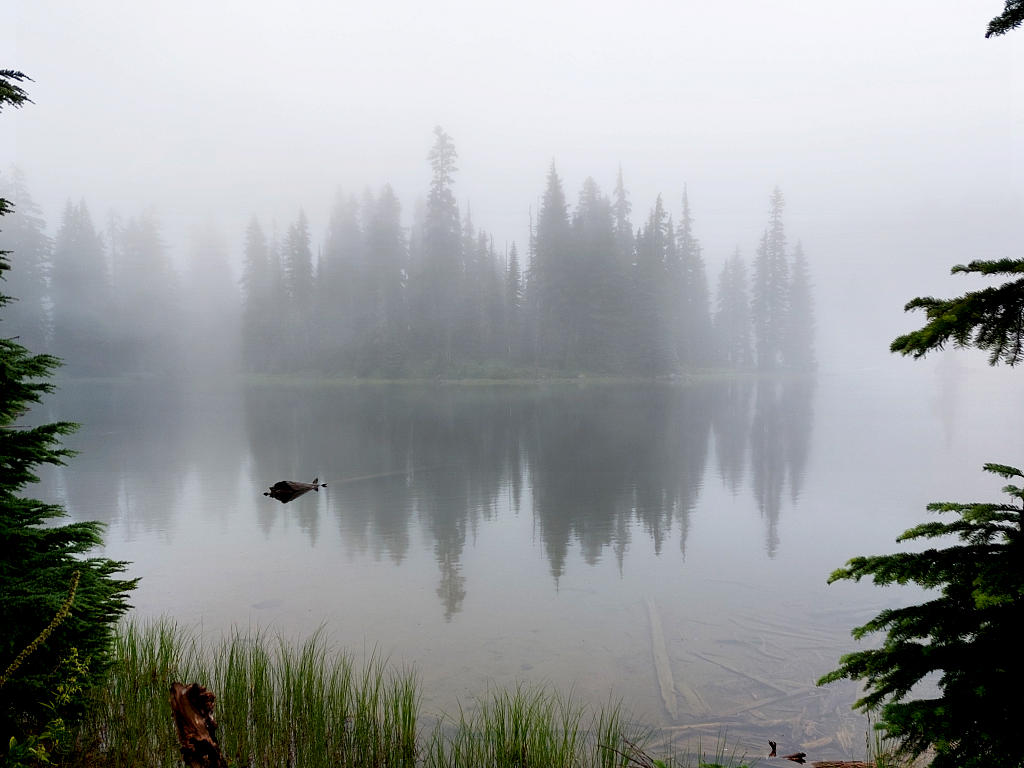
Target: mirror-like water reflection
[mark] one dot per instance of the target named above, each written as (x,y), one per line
(662,543)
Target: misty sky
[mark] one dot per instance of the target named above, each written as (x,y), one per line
(895,130)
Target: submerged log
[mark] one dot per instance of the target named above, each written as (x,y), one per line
(287,490)
(662,668)
(192,706)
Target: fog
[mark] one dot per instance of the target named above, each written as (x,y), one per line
(626,220)
(894,132)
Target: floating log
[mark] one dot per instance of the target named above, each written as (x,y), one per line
(288,490)
(192,707)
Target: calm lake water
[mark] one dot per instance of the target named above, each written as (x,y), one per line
(663,544)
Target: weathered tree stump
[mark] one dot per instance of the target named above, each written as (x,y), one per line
(192,706)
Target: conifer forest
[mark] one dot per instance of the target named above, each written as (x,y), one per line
(593,288)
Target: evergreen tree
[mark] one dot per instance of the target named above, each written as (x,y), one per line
(441,258)
(650,333)
(340,286)
(513,306)
(211,311)
(491,305)
(386,320)
(297,255)
(552,275)
(25,235)
(798,350)
(258,337)
(82,295)
(599,309)
(147,303)
(298,263)
(623,227)
(469,301)
(691,319)
(732,315)
(770,301)
(967,636)
(41,563)
(279,304)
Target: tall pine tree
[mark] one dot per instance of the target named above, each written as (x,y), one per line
(691,317)
(770,301)
(28,316)
(798,350)
(298,276)
(147,301)
(650,331)
(598,311)
(84,315)
(383,344)
(551,276)
(440,260)
(513,306)
(732,315)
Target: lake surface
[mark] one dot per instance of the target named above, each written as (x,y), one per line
(661,544)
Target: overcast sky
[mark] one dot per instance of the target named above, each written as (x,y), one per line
(895,129)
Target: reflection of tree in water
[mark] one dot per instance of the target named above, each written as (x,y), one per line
(212,422)
(578,478)
(601,458)
(798,405)
(281,425)
(466,445)
(779,443)
(131,462)
(602,461)
(335,433)
(688,432)
(730,416)
(389,452)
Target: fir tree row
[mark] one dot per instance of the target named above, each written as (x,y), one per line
(592,293)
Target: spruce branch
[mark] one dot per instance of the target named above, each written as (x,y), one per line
(1011,18)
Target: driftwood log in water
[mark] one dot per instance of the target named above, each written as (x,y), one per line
(286,490)
(192,706)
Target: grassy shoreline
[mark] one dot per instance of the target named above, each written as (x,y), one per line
(309,706)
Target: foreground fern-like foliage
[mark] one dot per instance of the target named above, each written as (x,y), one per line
(967,637)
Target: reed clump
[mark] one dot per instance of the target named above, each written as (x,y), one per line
(531,727)
(278,704)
